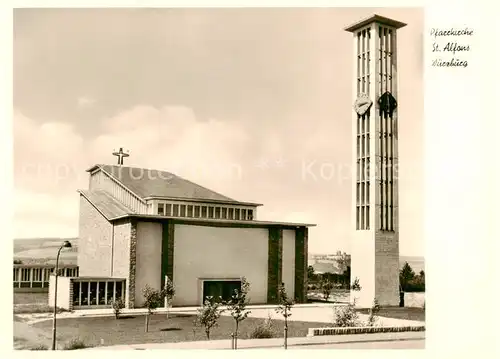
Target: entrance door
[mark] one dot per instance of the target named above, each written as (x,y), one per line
(220,290)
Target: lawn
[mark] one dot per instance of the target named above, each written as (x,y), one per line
(178,328)
(413,313)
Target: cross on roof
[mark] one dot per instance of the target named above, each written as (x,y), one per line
(120,154)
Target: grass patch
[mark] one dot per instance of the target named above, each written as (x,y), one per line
(31,298)
(35,308)
(413,313)
(177,328)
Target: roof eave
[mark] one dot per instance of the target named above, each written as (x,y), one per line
(206,220)
(375,18)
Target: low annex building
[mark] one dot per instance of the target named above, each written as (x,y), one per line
(141,226)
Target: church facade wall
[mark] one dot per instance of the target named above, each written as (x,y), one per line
(148,258)
(95,241)
(121,260)
(203,252)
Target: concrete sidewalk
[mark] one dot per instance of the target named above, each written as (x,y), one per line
(275,343)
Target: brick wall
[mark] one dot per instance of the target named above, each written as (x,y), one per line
(95,241)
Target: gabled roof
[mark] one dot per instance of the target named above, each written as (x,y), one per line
(109,207)
(149,183)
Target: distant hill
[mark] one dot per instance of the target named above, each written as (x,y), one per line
(44,250)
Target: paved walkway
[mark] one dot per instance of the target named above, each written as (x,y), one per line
(277,343)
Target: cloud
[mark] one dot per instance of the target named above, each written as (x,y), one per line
(85,102)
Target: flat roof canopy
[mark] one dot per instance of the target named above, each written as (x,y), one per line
(375,18)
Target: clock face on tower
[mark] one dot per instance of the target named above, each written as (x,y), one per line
(362,104)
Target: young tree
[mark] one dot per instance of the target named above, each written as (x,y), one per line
(153,299)
(284,308)
(169,294)
(237,306)
(326,286)
(208,315)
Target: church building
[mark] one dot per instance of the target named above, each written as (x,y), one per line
(144,226)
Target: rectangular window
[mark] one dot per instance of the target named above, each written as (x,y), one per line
(168,209)
(197,211)
(237,214)
(243,214)
(190,211)
(224,213)
(367,217)
(161,209)
(217,212)
(210,212)
(183,210)
(204,212)
(231,213)
(250,214)
(175,210)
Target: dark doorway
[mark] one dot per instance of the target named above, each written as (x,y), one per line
(220,290)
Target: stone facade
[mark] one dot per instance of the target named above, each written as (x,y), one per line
(274,270)
(301,246)
(132,264)
(387,268)
(167,252)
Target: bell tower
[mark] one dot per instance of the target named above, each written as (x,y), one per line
(375,243)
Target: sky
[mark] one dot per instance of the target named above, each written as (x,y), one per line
(255,104)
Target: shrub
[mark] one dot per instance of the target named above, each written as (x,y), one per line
(346,316)
(76,344)
(40,347)
(117,306)
(262,331)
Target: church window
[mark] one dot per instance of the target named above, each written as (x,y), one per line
(224,213)
(175,211)
(197,211)
(161,209)
(217,212)
(204,212)
(189,211)
(183,211)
